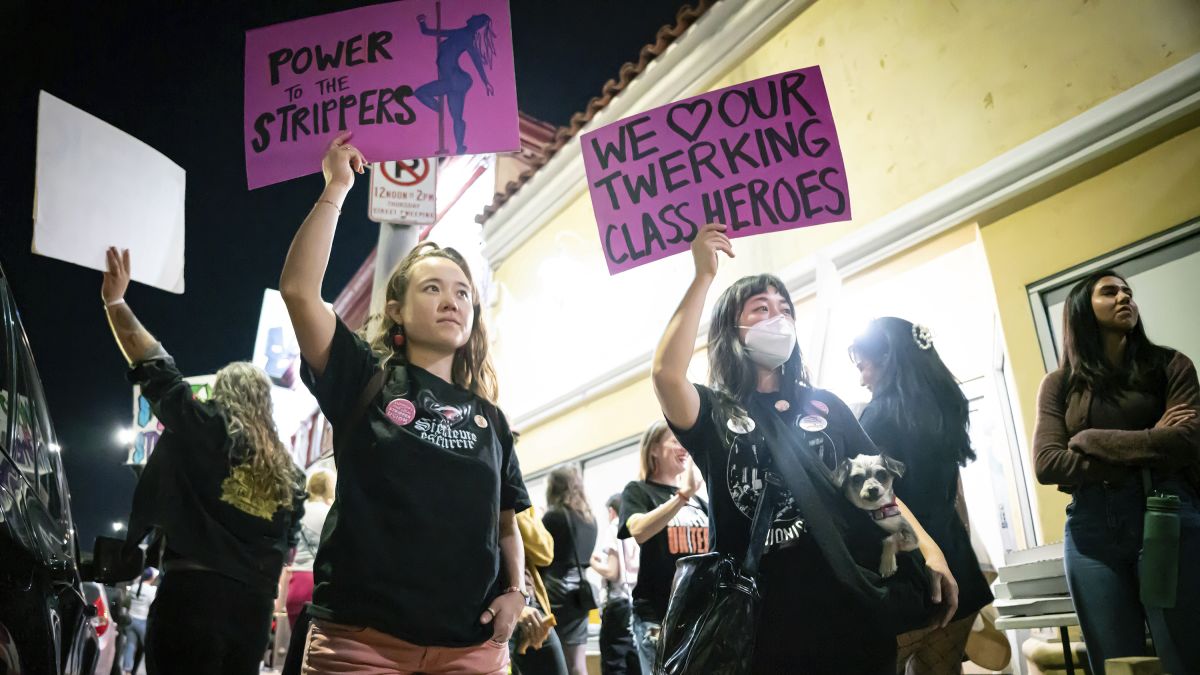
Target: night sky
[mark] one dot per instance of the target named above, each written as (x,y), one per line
(170,74)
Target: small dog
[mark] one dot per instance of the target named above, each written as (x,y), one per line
(867,481)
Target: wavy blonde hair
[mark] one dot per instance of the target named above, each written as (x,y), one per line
(472,369)
(243,392)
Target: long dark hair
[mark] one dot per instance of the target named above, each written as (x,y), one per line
(484,40)
(729,371)
(916,392)
(1083,347)
(564,490)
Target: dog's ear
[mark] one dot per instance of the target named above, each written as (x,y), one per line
(894,465)
(841,472)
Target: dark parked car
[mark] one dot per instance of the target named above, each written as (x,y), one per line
(45,620)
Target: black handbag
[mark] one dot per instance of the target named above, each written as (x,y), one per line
(571,591)
(584,595)
(712,618)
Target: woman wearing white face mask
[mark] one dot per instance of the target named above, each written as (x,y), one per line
(818,613)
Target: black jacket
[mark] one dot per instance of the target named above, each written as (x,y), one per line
(186,493)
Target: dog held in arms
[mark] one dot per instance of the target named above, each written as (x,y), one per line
(867,482)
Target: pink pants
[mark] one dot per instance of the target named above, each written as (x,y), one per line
(334,649)
(300,590)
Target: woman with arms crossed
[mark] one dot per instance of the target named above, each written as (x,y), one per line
(1118,405)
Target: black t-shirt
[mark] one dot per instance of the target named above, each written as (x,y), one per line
(929,488)
(686,534)
(806,615)
(194,489)
(584,542)
(411,544)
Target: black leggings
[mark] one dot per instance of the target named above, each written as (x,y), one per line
(547,660)
(203,623)
(618,655)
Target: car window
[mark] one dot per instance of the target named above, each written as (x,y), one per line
(24,440)
(5,366)
(42,433)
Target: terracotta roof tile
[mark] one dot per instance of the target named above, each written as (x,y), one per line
(684,18)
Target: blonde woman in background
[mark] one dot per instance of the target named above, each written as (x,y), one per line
(221,494)
(300,573)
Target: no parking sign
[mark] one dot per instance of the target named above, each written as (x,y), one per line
(402,192)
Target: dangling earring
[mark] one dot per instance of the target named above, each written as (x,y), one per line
(397,333)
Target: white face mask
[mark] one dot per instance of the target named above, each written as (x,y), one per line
(769,343)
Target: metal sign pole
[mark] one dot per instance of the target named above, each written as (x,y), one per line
(441,98)
(395,241)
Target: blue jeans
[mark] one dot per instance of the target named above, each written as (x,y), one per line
(645,645)
(135,638)
(1103,543)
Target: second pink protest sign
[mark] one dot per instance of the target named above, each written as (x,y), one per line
(761,156)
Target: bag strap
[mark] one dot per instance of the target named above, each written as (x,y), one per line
(764,514)
(374,386)
(1146,484)
(305,537)
(574,548)
(801,472)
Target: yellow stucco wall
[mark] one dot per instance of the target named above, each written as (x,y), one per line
(922,92)
(1145,195)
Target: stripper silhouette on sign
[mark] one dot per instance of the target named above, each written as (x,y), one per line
(476,39)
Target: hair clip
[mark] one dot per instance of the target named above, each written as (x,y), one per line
(922,337)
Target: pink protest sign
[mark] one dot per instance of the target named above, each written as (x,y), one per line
(761,156)
(417,78)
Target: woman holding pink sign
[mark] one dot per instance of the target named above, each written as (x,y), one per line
(767,443)
(420,567)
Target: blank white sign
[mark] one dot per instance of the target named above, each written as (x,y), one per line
(97,186)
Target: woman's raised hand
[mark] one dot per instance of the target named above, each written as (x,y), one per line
(710,239)
(116,279)
(692,481)
(342,161)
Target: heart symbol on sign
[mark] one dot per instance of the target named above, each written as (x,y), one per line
(688,112)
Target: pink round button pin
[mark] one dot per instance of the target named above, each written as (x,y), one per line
(819,407)
(401,411)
